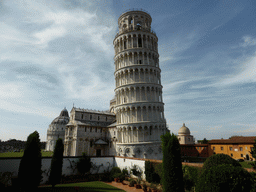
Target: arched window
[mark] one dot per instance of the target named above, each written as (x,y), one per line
(140,42)
(138,26)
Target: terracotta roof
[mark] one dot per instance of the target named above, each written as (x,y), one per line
(233,140)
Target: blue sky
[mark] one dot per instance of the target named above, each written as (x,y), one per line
(56,53)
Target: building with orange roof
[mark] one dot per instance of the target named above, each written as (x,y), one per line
(237,147)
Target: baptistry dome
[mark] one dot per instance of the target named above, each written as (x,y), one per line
(184,130)
(63,118)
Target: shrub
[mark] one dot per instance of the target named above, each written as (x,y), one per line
(84,164)
(149,171)
(56,163)
(114,171)
(132,182)
(219,159)
(30,173)
(172,168)
(225,177)
(125,172)
(159,171)
(121,177)
(253,178)
(190,176)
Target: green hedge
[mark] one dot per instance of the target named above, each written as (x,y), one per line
(190,176)
(219,159)
(225,177)
(151,175)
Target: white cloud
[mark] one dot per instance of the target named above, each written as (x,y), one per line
(246,75)
(248,41)
(50,34)
(11,91)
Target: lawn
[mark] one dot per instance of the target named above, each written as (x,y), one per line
(94,186)
(20,154)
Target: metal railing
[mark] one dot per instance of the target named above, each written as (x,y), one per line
(135,9)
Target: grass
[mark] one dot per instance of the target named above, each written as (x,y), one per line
(20,154)
(245,164)
(94,186)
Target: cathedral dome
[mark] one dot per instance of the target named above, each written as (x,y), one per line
(184,130)
(63,118)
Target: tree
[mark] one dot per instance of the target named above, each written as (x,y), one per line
(30,173)
(172,167)
(56,164)
(253,153)
(204,141)
(84,164)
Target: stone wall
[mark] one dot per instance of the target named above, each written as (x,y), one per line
(99,165)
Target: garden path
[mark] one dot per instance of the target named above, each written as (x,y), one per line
(124,187)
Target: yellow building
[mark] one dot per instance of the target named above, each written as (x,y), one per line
(237,147)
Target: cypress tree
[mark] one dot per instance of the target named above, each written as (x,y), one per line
(56,163)
(172,167)
(30,174)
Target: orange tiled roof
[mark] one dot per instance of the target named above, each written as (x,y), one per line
(239,139)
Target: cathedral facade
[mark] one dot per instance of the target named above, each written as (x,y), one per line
(133,125)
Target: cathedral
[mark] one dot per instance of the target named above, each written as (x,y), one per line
(135,120)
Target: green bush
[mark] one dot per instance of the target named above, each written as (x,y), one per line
(114,172)
(159,171)
(84,164)
(190,176)
(30,173)
(253,177)
(225,177)
(125,172)
(151,175)
(219,159)
(149,170)
(56,163)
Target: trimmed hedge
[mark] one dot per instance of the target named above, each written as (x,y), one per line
(219,159)
(225,177)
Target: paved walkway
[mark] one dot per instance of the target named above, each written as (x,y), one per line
(124,187)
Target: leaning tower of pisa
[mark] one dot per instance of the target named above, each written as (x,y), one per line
(139,105)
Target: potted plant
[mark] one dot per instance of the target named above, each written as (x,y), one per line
(132,182)
(137,185)
(122,177)
(144,187)
(117,177)
(153,187)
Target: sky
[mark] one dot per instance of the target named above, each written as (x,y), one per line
(59,53)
